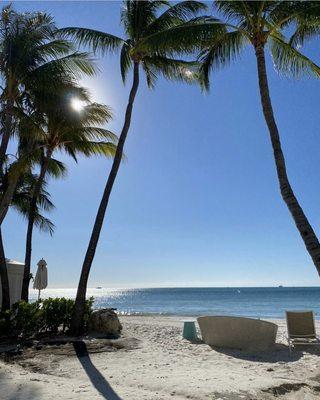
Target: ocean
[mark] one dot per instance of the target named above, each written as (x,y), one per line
(250,302)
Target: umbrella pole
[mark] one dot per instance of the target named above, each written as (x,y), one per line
(39,295)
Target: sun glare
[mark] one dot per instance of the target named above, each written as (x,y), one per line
(77,104)
(188,73)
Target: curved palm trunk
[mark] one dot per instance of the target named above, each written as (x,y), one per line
(77,320)
(31,218)
(305,229)
(5,137)
(7,197)
(4,278)
(6,131)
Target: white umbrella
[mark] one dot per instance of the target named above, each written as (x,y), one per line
(41,279)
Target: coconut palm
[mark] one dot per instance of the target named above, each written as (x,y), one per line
(262,25)
(21,203)
(56,127)
(32,57)
(142,21)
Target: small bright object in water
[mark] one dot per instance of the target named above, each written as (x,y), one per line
(77,104)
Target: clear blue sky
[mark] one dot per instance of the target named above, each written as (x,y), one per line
(197,203)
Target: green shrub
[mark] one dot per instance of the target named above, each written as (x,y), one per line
(26,319)
(49,316)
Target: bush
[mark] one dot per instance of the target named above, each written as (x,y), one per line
(49,316)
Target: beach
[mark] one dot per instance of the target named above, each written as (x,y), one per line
(152,361)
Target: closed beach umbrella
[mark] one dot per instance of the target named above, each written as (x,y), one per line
(41,279)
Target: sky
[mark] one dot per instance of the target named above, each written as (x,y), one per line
(197,201)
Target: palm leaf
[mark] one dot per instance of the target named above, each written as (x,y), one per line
(44,224)
(172,69)
(97,40)
(176,14)
(224,49)
(185,37)
(125,60)
(289,60)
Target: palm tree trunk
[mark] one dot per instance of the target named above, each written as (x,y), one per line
(7,197)
(6,131)
(305,229)
(5,137)
(77,320)
(4,278)
(31,218)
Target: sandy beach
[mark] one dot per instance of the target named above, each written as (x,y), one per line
(152,361)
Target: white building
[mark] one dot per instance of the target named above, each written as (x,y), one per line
(15,276)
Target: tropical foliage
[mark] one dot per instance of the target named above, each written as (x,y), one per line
(39,72)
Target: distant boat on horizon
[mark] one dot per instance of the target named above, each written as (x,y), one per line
(99,287)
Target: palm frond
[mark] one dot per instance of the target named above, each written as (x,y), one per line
(151,76)
(96,40)
(137,16)
(224,49)
(55,48)
(74,64)
(90,148)
(95,133)
(95,113)
(285,13)
(175,15)
(186,37)
(125,60)
(172,69)
(289,60)
(56,169)
(44,224)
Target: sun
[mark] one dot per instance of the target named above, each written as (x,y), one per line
(77,104)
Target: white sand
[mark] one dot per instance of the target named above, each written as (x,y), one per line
(163,366)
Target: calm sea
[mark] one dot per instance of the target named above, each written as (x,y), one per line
(250,302)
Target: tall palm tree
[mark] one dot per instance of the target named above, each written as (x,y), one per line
(59,128)
(262,24)
(142,21)
(32,56)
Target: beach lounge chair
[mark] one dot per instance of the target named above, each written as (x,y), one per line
(301,329)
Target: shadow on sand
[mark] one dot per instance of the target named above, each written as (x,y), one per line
(97,379)
(279,353)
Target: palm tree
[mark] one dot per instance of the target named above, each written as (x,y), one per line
(262,25)
(21,203)
(32,56)
(142,21)
(59,128)
(22,199)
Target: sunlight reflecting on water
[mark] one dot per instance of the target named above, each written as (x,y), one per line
(250,302)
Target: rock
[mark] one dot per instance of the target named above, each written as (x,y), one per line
(105,321)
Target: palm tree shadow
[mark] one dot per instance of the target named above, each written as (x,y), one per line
(97,379)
